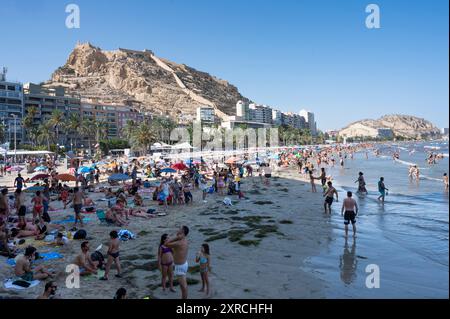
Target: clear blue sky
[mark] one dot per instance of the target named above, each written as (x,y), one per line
(289,54)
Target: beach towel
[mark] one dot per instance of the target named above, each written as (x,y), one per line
(71,219)
(100,274)
(227,201)
(9,284)
(32,242)
(125,234)
(43,257)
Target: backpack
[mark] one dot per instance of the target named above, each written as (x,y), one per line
(98,256)
(80,234)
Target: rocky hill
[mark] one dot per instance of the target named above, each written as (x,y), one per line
(401,125)
(141,79)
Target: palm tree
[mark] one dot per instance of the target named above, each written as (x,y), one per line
(101,130)
(164,125)
(73,124)
(33,135)
(87,129)
(128,129)
(2,132)
(44,134)
(57,120)
(28,120)
(143,137)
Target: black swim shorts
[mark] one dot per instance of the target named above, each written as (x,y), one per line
(77,208)
(22,211)
(329,200)
(349,216)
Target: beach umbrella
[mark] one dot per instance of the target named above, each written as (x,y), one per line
(100,163)
(39,177)
(66,178)
(84,170)
(179,166)
(119,177)
(168,170)
(14,169)
(33,189)
(232,160)
(40,168)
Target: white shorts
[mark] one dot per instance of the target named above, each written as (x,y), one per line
(181,270)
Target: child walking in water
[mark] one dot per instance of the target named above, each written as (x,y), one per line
(204,259)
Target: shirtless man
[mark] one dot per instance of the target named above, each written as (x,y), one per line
(329,197)
(77,199)
(84,261)
(350,207)
(113,255)
(23,267)
(445,180)
(180,247)
(4,206)
(20,205)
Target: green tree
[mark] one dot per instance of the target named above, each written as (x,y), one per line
(164,125)
(45,134)
(87,130)
(142,138)
(57,121)
(101,130)
(73,125)
(2,132)
(128,129)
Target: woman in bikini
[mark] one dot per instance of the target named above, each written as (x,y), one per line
(165,262)
(38,205)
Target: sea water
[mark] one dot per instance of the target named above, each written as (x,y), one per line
(406,238)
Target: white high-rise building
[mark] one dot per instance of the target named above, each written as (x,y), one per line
(309,119)
(242,111)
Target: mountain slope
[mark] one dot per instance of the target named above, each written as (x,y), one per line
(141,79)
(402,125)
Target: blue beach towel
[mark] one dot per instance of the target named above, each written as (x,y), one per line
(70,220)
(44,257)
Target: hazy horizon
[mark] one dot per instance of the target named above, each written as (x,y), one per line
(316,55)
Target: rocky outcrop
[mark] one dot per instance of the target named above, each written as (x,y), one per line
(406,126)
(141,79)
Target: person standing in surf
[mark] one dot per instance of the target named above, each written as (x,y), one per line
(361,184)
(382,189)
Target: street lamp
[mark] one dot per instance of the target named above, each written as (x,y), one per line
(15,137)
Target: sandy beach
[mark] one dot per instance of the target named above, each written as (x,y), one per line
(258,245)
(274,243)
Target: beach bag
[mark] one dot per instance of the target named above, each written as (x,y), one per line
(211,190)
(46,217)
(80,234)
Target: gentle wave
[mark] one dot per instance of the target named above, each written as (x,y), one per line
(432,147)
(430,178)
(409,163)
